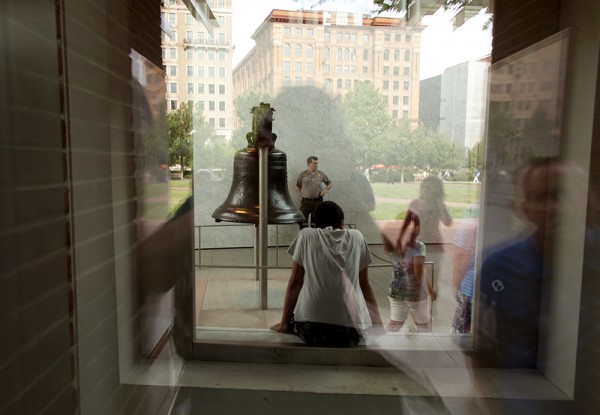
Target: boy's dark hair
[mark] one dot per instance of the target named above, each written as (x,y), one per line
(310,159)
(328,214)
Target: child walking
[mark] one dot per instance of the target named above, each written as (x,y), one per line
(409,291)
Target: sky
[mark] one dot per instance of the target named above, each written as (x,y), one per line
(441,47)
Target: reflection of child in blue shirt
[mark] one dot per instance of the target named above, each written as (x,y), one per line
(407,291)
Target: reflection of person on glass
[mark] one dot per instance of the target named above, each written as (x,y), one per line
(408,289)
(463,270)
(309,185)
(431,209)
(329,300)
(511,278)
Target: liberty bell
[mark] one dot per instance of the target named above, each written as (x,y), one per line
(241,205)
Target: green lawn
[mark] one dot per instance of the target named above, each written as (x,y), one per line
(456,192)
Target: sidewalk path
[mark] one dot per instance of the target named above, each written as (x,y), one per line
(407,201)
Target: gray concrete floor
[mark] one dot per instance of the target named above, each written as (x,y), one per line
(228,298)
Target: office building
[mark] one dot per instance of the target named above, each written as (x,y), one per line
(198,62)
(334,51)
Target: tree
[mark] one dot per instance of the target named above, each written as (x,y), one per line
(367,122)
(179,129)
(243,105)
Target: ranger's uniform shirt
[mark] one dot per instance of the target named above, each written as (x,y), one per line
(310,183)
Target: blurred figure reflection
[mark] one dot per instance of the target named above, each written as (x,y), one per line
(463,270)
(512,277)
(431,209)
(407,291)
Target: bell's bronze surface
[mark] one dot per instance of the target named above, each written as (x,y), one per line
(242,203)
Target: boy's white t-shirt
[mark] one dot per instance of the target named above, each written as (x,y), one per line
(332,259)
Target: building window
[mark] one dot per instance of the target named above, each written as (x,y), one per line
(353,37)
(365,55)
(326,53)
(286,65)
(396,70)
(406,71)
(298,66)
(328,84)
(309,51)
(190,71)
(211,71)
(398,37)
(190,88)
(221,20)
(347,37)
(221,72)
(287,50)
(173,70)
(309,81)
(173,104)
(366,38)
(339,84)
(405,114)
(172,19)
(200,54)
(386,70)
(211,55)
(353,54)
(211,105)
(221,105)
(386,55)
(407,55)
(211,121)
(211,89)
(353,69)
(346,54)
(200,37)
(405,100)
(395,114)
(172,53)
(201,88)
(310,32)
(348,83)
(327,36)
(396,54)
(396,99)
(189,54)
(385,99)
(387,37)
(365,69)
(406,85)
(221,55)
(287,31)
(286,81)
(298,81)
(338,54)
(189,36)
(173,87)
(201,105)
(191,103)
(298,32)
(222,38)
(340,37)
(189,19)
(221,89)
(386,84)
(408,38)
(298,50)
(201,71)
(396,85)
(338,68)
(309,67)
(221,122)
(326,68)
